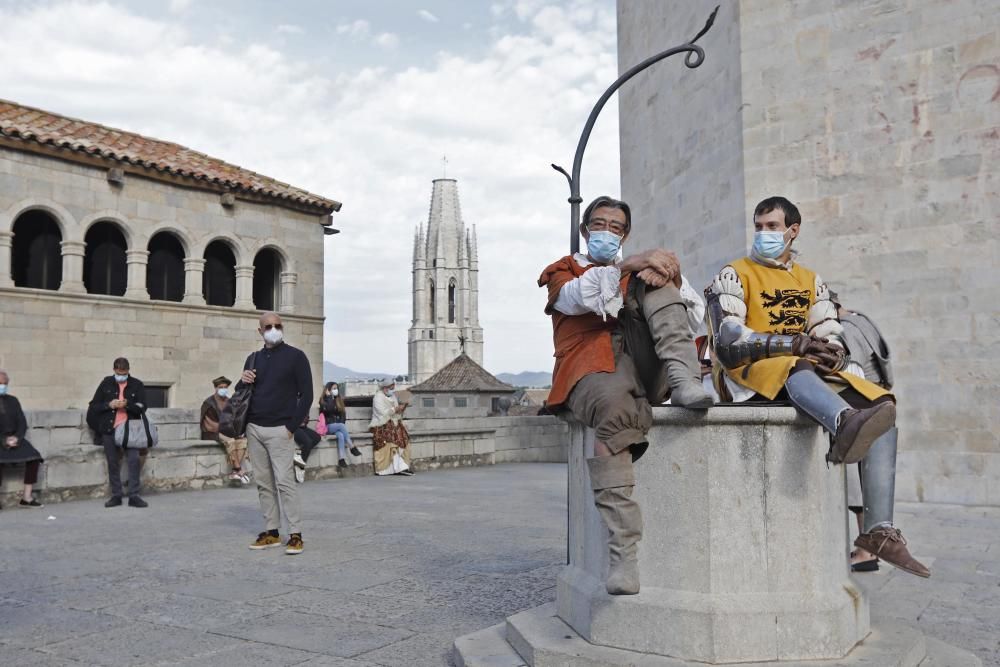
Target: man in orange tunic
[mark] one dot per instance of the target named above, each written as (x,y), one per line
(622,333)
(777,335)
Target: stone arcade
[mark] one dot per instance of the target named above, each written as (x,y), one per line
(114,244)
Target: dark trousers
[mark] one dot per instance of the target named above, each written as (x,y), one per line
(111,452)
(30,471)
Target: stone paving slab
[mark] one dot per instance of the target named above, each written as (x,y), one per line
(394,570)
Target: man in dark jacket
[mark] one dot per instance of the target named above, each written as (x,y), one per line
(14,447)
(119,398)
(282,396)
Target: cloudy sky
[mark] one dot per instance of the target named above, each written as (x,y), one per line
(358,100)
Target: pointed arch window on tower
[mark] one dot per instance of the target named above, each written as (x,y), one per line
(451,301)
(432,302)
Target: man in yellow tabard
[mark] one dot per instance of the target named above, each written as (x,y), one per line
(776,336)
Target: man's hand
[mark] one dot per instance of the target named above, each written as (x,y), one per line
(290,434)
(118,404)
(658,261)
(249,376)
(11,441)
(828,357)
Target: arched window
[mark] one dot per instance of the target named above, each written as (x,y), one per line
(451,302)
(165,271)
(104,269)
(219,280)
(266,279)
(36,259)
(433,304)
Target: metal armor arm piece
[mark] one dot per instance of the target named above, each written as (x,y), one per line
(737,345)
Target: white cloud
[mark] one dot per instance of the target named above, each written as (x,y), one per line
(427,16)
(290,29)
(372,138)
(386,40)
(178,6)
(359,29)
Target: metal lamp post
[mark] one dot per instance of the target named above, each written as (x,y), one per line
(694,58)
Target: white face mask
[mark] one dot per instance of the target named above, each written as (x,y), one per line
(273,336)
(334,391)
(222,391)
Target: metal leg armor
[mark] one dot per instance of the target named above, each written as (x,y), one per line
(878,480)
(810,394)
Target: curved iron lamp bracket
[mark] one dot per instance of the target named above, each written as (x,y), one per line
(694,58)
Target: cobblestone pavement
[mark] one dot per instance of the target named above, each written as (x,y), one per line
(394,569)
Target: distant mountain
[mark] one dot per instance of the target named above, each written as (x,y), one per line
(527,378)
(334,373)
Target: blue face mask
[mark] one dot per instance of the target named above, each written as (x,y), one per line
(603,246)
(769,244)
(3,389)
(121,378)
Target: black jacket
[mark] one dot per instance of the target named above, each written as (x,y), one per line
(282,392)
(12,422)
(101,417)
(328,406)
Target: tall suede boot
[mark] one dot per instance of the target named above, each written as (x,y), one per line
(613,480)
(666,315)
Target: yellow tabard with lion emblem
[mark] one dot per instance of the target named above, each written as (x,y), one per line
(778,302)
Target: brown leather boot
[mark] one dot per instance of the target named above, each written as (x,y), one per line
(858,429)
(612,479)
(888,543)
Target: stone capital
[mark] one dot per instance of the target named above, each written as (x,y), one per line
(194,264)
(77,248)
(136,256)
(6,238)
(244,271)
(289,278)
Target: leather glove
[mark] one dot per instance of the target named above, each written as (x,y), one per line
(828,357)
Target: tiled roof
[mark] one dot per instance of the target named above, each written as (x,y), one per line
(78,137)
(462,374)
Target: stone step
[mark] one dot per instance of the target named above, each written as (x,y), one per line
(940,654)
(486,648)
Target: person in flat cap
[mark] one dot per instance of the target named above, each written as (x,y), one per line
(236,448)
(390,439)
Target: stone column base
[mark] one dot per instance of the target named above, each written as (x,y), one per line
(539,638)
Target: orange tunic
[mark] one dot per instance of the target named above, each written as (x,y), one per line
(582,342)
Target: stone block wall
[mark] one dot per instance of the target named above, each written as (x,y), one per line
(881,121)
(75,467)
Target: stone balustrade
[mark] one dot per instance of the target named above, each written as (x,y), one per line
(75,467)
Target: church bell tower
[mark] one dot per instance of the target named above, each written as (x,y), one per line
(445,287)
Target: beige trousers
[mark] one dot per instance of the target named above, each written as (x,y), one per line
(271,451)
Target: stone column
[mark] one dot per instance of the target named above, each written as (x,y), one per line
(73,253)
(744,556)
(244,288)
(137,260)
(194,270)
(6,241)
(286,300)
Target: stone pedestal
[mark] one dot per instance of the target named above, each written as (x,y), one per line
(744,559)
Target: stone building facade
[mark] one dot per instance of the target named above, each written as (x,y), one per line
(881,121)
(445,287)
(113,244)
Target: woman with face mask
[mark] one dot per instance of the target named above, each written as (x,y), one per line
(331,406)
(14,448)
(390,439)
(236,448)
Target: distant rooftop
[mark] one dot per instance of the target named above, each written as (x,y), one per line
(462,374)
(41,131)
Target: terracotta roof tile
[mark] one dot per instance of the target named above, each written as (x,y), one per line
(462,374)
(45,128)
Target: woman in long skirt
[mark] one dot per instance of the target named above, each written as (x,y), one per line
(390,440)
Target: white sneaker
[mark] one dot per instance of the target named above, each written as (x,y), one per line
(300,474)
(298,461)
(244,479)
